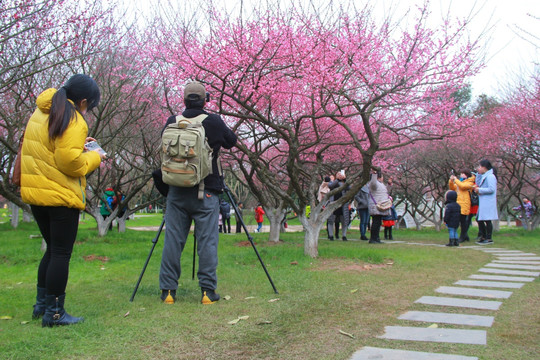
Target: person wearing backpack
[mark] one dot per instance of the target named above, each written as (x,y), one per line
(187,201)
(463,187)
(225,209)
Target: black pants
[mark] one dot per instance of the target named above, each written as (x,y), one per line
(228,222)
(376,226)
(388,233)
(486,229)
(238,226)
(58,225)
(464,224)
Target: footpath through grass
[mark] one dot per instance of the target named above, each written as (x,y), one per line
(353,287)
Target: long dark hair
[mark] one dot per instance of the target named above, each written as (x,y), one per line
(486,163)
(77,88)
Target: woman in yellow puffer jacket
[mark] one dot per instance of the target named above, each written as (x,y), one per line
(463,186)
(54,164)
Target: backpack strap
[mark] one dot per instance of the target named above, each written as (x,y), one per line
(184,122)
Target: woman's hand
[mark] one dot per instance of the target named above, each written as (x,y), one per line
(101,155)
(453,178)
(88,139)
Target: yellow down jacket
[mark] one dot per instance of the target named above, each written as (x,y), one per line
(463,189)
(53,171)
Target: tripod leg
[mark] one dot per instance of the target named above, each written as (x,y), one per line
(250,238)
(154,242)
(194,254)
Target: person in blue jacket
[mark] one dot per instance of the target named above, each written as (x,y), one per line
(486,188)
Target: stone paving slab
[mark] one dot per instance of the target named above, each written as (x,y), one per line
(494,284)
(371,353)
(483,247)
(493,294)
(446,318)
(517,255)
(513,266)
(454,336)
(502,251)
(509,272)
(528,258)
(462,303)
(524,262)
(502,278)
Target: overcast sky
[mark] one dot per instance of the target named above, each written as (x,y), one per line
(508,56)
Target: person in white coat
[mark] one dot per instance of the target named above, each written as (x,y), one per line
(378,193)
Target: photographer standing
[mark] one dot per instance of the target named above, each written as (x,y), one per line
(378,193)
(184,205)
(341,213)
(463,187)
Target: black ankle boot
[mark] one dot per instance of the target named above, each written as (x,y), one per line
(55,314)
(39,307)
(450,242)
(209,296)
(456,242)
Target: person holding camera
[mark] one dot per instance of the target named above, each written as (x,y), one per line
(184,205)
(54,165)
(463,187)
(378,195)
(341,214)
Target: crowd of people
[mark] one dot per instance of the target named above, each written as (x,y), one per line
(373,206)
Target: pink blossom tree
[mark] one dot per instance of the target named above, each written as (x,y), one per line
(304,94)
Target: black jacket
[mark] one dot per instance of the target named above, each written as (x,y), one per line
(218,135)
(452,212)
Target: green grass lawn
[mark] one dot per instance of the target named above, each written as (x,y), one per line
(353,287)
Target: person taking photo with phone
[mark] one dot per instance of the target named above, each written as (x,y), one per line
(54,164)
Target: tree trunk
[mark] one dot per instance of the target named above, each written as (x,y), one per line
(311,240)
(102,224)
(122,222)
(275,216)
(312,229)
(27,217)
(14,214)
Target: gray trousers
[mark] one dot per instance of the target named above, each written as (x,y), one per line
(183,206)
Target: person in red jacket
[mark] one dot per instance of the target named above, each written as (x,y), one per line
(259,216)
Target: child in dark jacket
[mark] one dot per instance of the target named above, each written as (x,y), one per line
(452,214)
(388,222)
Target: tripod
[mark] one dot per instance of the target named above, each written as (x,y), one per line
(238,217)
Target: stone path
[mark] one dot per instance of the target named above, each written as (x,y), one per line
(511,270)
